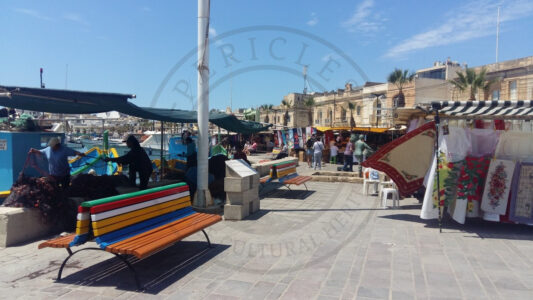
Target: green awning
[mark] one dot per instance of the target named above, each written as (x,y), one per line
(78,102)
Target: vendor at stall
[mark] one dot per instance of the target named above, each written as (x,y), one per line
(138,162)
(57,156)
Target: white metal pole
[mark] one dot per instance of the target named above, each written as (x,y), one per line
(202,193)
(497,34)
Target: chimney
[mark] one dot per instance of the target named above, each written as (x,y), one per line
(348,87)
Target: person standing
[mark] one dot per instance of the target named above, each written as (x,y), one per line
(309,145)
(318,146)
(57,156)
(333,151)
(138,162)
(348,156)
(360,147)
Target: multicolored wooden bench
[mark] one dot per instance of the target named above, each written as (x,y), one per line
(286,174)
(138,224)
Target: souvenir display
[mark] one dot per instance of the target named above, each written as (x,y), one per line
(522,195)
(498,186)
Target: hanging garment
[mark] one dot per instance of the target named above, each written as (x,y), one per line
(471,182)
(515,145)
(290,139)
(453,148)
(483,141)
(498,186)
(301,138)
(406,159)
(280,138)
(413,124)
(296,137)
(448,176)
(522,195)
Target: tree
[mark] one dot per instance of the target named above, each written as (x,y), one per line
(286,104)
(310,103)
(400,78)
(351,107)
(266,108)
(470,80)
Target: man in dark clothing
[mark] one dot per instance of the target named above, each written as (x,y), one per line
(138,162)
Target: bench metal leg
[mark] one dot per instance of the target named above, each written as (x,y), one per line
(306,187)
(287,186)
(208,241)
(124,260)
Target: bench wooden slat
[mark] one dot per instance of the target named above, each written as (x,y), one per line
(130,231)
(137,199)
(60,242)
(136,242)
(121,224)
(161,238)
(130,195)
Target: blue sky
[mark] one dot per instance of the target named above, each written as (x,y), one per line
(259,47)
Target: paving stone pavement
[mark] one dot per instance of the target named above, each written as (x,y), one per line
(328,243)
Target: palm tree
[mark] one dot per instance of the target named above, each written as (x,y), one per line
(266,108)
(351,107)
(286,104)
(470,79)
(400,78)
(310,103)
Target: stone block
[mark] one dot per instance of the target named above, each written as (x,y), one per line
(255,206)
(236,212)
(20,225)
(242,197)
(236,184)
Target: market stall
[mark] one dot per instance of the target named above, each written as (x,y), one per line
(483,162)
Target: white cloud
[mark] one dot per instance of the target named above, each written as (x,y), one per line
(73,17)
(213,34)
(313,21)
(364,20)
(330,56)
(473,20)
(33,13)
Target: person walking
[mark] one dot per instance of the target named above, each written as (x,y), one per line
(318,146)
(309,145)
(348,155)
(360,147)
(333,151)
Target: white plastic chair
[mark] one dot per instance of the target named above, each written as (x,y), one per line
(394,195)
(367,182)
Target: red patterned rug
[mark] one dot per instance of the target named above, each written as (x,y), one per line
(407,159)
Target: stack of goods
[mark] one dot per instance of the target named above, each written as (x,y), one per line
(484,173)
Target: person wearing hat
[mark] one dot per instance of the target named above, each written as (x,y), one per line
(57,156)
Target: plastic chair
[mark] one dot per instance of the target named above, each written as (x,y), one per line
(393,192)
(368,181)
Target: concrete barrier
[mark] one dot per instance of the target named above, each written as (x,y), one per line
(20,225)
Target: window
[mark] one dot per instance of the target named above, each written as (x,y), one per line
(496,95)
(343,114)
(512,90)
(358,110)
(434,74)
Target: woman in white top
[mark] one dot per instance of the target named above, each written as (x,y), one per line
(318,146)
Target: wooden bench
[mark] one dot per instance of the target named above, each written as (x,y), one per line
(286,174)
(138,224)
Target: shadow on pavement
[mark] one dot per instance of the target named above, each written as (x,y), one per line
(156,272)
(483,229)
(288,194)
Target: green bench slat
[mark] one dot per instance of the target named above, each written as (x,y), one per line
(129,195)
